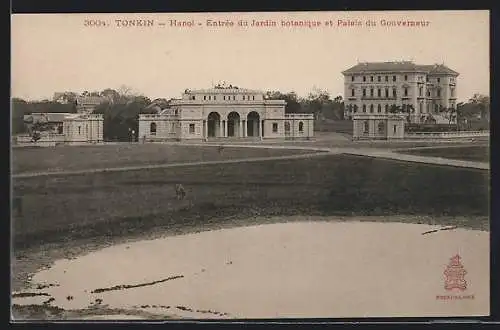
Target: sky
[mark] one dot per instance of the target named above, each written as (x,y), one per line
(62,52)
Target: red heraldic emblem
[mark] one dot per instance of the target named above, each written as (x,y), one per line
(455,275)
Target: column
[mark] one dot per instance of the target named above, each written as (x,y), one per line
(261,129)
(220,130)
(205,130)
(240,129)
(244,128)
(224,131)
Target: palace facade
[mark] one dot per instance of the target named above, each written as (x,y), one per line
(375,87)
(222,113)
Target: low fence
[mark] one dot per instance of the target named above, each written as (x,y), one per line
(446,135)
(46,140)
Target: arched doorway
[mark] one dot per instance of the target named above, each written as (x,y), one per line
(233,124)
(253,120)
(213,123)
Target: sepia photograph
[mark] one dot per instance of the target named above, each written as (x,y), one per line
(250,165)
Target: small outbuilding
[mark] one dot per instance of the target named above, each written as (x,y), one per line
(378,126)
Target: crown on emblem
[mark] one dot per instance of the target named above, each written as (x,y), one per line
(455,261)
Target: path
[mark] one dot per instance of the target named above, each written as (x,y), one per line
(140,167)
(385,154)
(315,151)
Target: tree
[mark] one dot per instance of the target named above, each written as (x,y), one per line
(111,94)
(291,99)
(483,104)
(449,113)
(316,101)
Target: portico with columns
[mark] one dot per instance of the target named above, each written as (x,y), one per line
(223,112)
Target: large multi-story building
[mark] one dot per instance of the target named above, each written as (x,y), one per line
(224,112)
(378,87)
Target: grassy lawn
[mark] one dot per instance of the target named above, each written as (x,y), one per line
(128,203)
(469,153)
(94,157)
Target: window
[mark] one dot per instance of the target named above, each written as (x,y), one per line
(152,129)
(364,78)
(386,78)
(428,93)
(371,108)
(234,97)
(420,91)
(386,108)
(436,108)
(379,108)
(406,77)
(79,130)
(393,78)
(191,128)
(394,93)
(192,97)
(243,97)
(352,78)
(381,128)
(394,129)
(371,78)
(371,92)
(387,92)
(452,92)
(352,92)
(364,107)
(427,79)
(379,92)
(204,97)
(366,127)
(438,80)
(275,127)
(355,108)
(209,97)
(287,127)
(406,91)
(301,127)
(253,97)
(438,92)
(364,92)
(59,129)
(379,78)
(224,97)
(421,107)
(215,97)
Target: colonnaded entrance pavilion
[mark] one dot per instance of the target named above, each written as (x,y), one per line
(225,113)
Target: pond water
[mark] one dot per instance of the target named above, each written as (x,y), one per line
(298,269)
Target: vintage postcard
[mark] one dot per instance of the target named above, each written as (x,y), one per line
(250,165)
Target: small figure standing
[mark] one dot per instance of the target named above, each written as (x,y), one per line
(180,192)
(221,149)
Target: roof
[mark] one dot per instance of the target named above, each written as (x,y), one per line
(47,117)
(223,90)
(405,66)
(95,100)
(52,117)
